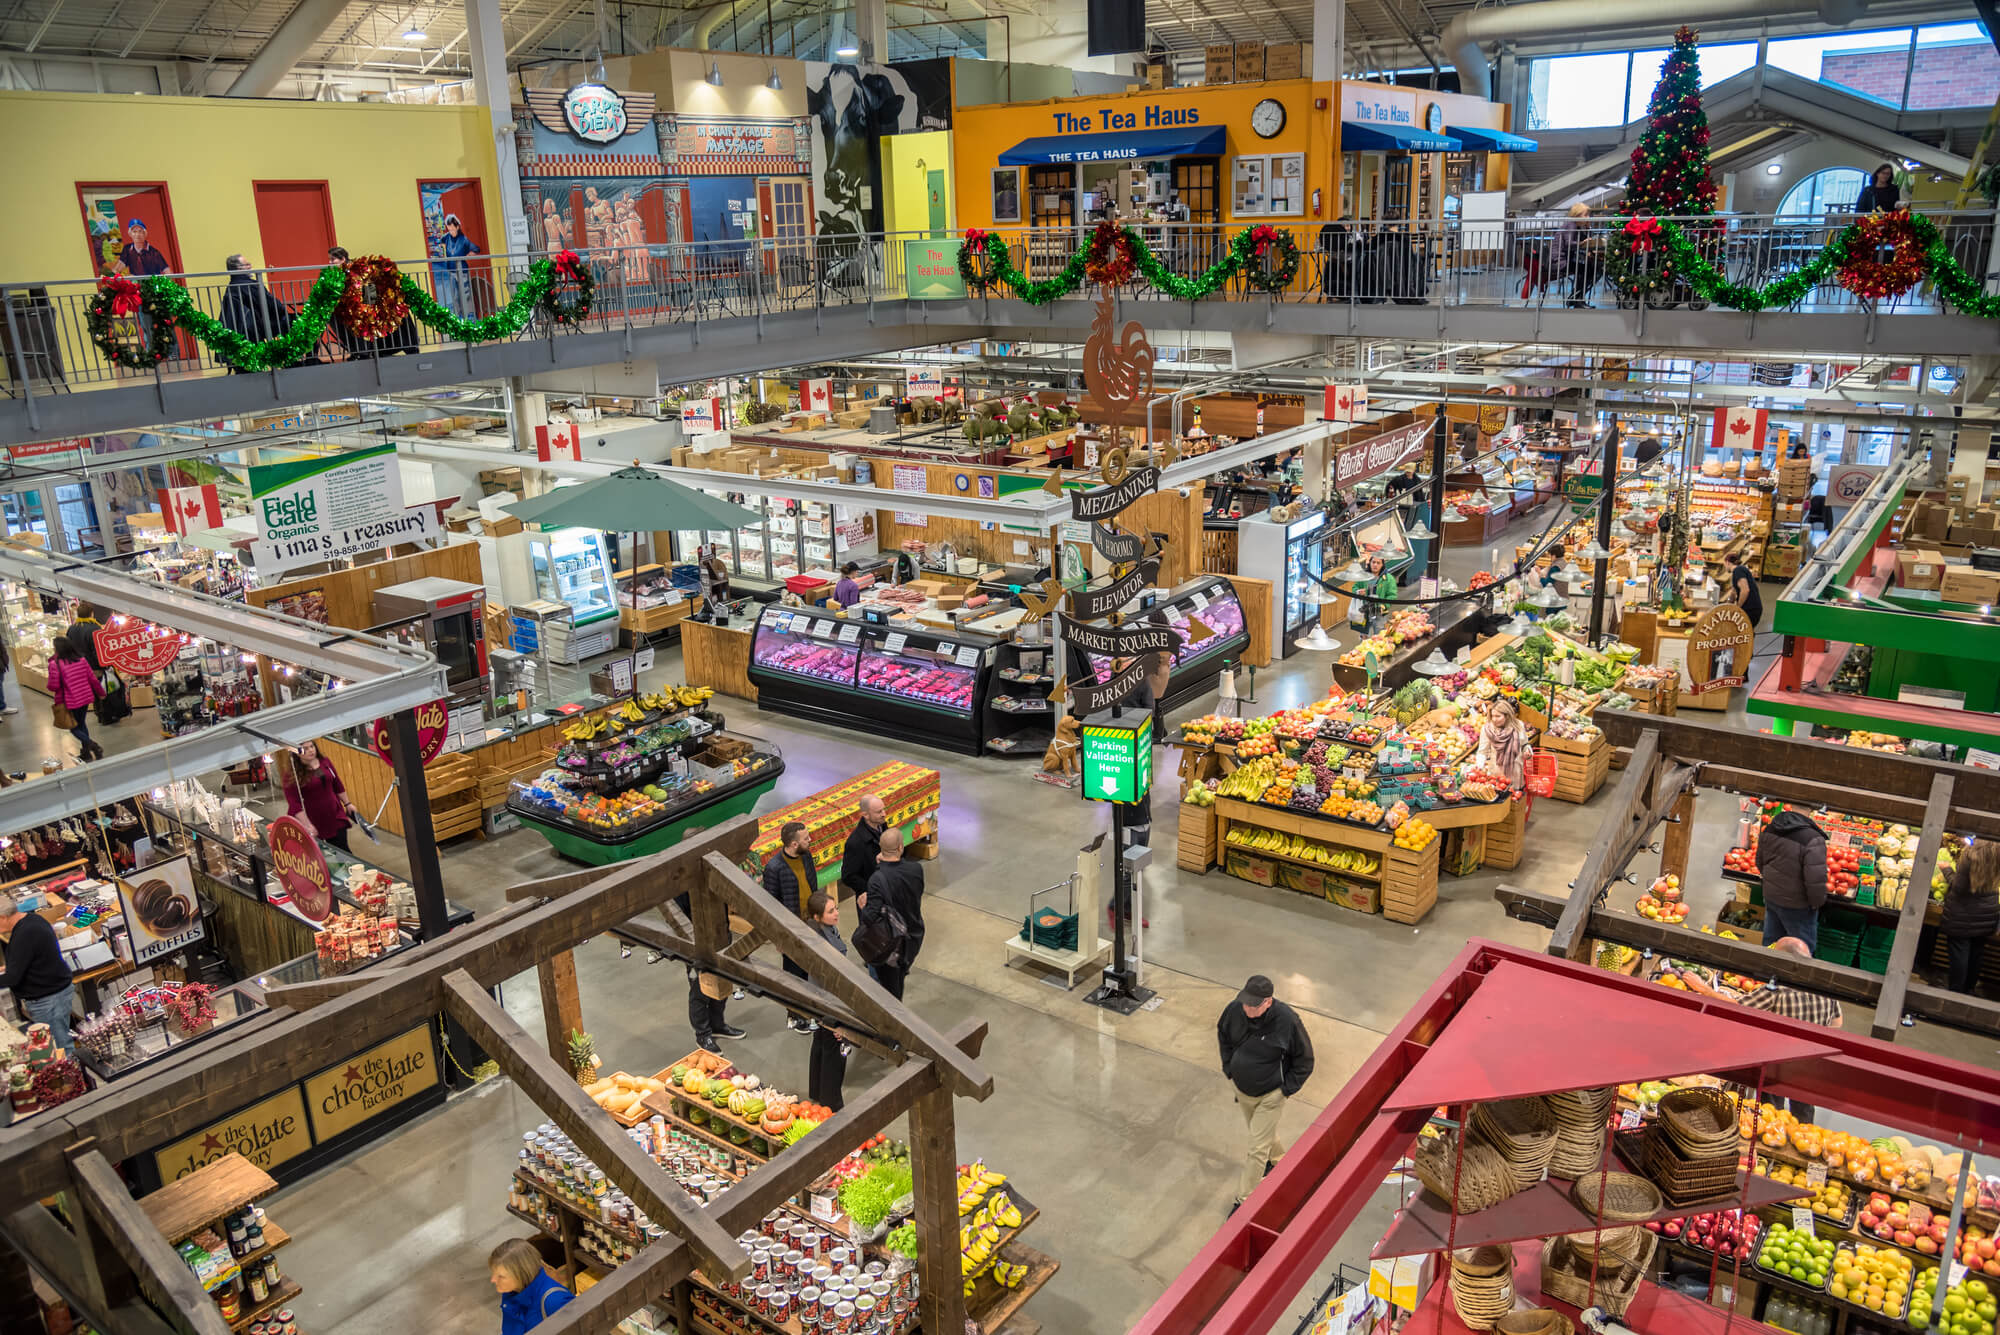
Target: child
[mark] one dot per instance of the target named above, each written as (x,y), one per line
(828,1064)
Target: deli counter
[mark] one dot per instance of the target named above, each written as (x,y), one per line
(920,684)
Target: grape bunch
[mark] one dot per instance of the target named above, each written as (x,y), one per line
(1315,754)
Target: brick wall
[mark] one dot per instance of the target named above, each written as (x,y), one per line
(1960,74)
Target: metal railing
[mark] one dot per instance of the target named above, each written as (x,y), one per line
(1526,261)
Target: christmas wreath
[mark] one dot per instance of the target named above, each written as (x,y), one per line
(975,265)
(1110,260)
(373,306)
(1864,273)
(1638,260)
(124,338)
(572,277)
(1268,258)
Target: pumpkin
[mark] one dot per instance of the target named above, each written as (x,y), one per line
(692,1083)
(678,1073)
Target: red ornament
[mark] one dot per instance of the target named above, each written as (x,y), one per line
(569,265)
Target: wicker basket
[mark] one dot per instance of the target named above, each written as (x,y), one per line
(1483,1178)
(1613,1246)
(1566,1276)
(1702,1123)
(1523,1131)
(1482,1284)
(1684,1181)
(1535,1321)
(1582,1122)
(1626,1197)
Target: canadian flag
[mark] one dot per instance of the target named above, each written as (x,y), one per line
(1740,428)
(191,509)
(815,396)
(556,442)
(1345,403)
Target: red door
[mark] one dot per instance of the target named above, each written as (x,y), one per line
(464,199)
(150,205)
(295,220)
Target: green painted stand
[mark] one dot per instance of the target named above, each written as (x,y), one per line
(598,852)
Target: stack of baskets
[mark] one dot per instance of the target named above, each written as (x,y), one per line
(1617,1258)
(1483,1179)
(1582,1119)
(1482,1284)
(1523,1131)
(1693,1147)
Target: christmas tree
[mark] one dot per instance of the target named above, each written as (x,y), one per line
(1669,176)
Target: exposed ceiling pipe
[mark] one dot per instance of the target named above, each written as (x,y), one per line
(286,46)
(1574,18)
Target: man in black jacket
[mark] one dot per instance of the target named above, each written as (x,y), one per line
(1791,859)
(897,884)
(1268,1058)
(864,843)
(790,878)
(707,1015)
(36,972)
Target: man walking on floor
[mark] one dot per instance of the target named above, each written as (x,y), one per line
(705,1013)
(1268,1058)
(791,878)
(892,912)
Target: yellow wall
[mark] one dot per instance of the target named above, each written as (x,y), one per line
(208,151)
(906,203)
(679,80)
(981,134)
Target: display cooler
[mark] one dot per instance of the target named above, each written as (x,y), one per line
(573,567)
(1292,557)
(1209,599)
(918,684)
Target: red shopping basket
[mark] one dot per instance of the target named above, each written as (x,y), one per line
(1540,773)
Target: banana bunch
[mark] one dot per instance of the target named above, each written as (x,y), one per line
(631,711)
(977,1246)
(584,729)
(1000,1206)
(973,1184)
(1009,1274)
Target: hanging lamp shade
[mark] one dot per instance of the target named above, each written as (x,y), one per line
(1317,639)
(633,500)
(1437,665)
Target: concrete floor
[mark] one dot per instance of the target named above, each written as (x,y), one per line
(1121,1129)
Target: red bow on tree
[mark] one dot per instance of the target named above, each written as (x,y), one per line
(1643,231)
(126,298)
(570,265)
(975,238)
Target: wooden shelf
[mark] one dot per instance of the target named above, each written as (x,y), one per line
(286,1292)
(274,1238)
(205,1195)
(991,1306)
(665,1108)
(1372,878)
(790,1326)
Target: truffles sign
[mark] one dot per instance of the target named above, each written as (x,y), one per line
(300,868)
(1378,454)
(1104,502)
(267,1134)
(161,910)
(347,1094)
(1119,641)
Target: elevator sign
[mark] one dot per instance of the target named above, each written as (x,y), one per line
(1118,758)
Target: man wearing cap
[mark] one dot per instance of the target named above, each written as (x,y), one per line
(140,257)
(1268,1058)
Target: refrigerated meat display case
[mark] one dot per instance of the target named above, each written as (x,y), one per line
(918,684)
(1292,557)
(1209,599)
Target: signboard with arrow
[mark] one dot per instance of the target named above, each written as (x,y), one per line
(1118,758)
(1119,641)
(1091,604)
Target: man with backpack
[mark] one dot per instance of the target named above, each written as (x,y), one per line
(892,915)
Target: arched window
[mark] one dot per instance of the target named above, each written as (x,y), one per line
(1835,188)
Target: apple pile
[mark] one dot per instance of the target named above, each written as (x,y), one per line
(1908,1224)
(1662,901)
(1969,1309)
(1725,1232)
(1979,1252)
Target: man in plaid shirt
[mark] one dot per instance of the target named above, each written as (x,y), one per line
(1793,1003)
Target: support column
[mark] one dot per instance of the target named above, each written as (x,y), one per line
(1439,438)
(562,1004)
(413,799)
(871,19)
(487,44)
(1607,500)
(1329,39)
(934,1170)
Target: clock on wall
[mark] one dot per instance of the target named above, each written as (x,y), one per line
(1267,117)
(1434,118)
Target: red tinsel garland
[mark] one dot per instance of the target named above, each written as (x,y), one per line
(1110,261)
(1874,279)
(373,305)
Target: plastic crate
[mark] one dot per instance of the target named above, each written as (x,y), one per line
(1835,948)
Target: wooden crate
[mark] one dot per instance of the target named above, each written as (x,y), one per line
(1503,839)
(458,812)
(1579,777)
(1195,850)
(1409,882)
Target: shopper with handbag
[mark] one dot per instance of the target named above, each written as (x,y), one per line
(892,915)
(74,688)
(827,1066)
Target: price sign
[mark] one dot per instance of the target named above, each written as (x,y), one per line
(1802,1218)
(968,657)
(642,661)
(1816,1175)
(894,643)
(850,634)
(1957,1275)
(823,628)
(1628,1119)
(1200,602)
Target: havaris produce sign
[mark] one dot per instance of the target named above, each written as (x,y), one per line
(346,1095)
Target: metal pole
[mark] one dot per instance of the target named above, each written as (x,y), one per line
(414,801)
(1437,492)
(1601,568)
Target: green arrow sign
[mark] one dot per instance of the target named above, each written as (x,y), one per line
(1118,759)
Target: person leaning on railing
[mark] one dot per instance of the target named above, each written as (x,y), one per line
(249,309)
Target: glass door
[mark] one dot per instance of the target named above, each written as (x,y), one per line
(1198,181)
(1052,215)
(25,514)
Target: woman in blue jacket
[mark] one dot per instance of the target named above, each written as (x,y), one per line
(528,1293)
(454,271)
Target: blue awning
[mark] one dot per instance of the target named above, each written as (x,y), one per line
(1356,138)
(1181,142)
(1493,141)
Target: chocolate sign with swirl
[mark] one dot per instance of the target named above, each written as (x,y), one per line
(161,910)
(299,868)
(433,727)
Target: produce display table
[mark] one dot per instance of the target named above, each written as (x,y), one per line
(1399,883)
(910,793)
(1653,1308)
(1460,626)
(600,847)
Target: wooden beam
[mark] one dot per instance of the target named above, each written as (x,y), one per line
(1809,792)
(235,1069)
(319,991)
(555,1091)
(797,993)
(840,976)
(1916,899)
(1677,837)
(562,1004)
(555,887)
(1600,862)
(934,1168)
(140,1246)
(58,1258)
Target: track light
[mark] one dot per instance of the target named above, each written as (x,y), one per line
(414,34)
(654,957)
(625,952)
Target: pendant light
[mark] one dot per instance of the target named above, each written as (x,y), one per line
(774,83)
(1517,625)
(1437,665)
(1316,639)
(1352,573)
(715,74)
(1592,552)
(1548,599)
(1419,531)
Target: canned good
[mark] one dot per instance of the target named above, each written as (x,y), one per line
(760,1263)
(864,1311)
(760,1299)
(838,1257)
(879,1291)
(829,1305)
(781,1307)
(843,1318)
(821,1275)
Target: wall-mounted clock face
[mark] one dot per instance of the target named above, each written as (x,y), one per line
(1267,117)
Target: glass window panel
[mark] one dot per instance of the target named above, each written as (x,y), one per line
(1956,66)
(1834,189)
(1717,63)
(1575,92)
(1866,64)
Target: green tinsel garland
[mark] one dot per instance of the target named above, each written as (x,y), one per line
(249,354)
(529,295)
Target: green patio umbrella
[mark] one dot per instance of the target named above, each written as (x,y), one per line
(633,500)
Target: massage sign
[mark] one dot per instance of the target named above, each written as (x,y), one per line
(299,870)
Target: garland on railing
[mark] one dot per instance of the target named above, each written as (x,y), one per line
(168,306)
(1265,257)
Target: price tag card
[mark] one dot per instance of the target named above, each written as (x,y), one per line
(1628,1119)
(1201,602)
(1815,1175)
(894,643)
(824,628)
(1957,1275)
(1802,1218)
(781,621)
(849,634)
(968,657)
(822,1207)
(642,661)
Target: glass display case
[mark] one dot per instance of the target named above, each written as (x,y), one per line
(613,807)
(1211,601)
(917,683)
(573,567)
(794,537)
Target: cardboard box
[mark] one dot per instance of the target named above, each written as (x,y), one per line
(1156,74)
(1930,521)
(1963,584)
(1284,60)
(504,526)
(1259,871)
(1354,895)
(1919,569)
(1402,1281)
(1249,62)
(1218,64)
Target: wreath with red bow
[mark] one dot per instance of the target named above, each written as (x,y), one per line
(114,321)
(975,264)
(372,306)
(1110,261)
(1863,272)
(1269,259)
(569,297)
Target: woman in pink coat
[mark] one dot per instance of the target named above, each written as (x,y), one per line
(75,687)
